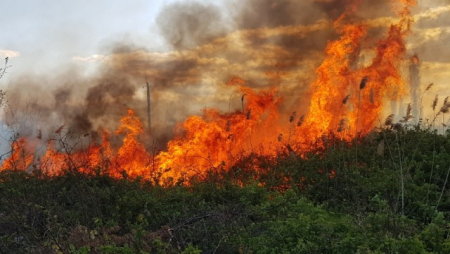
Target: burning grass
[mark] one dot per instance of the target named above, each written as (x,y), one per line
(317,178)
(346,101)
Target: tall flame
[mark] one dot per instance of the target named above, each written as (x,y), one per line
(346,100)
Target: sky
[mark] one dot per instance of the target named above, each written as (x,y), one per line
(61,51)
(39,36)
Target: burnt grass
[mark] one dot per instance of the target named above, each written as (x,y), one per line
(387,192)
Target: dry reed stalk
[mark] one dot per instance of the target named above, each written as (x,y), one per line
(249,114)
(429,86)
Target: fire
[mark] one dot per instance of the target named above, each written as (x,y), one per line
(60,158)
(346,101)
(216,139)
(132,157)
(20,158)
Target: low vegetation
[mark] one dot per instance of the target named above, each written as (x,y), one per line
(385,193)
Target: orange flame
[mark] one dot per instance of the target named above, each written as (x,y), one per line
(216,139)
(346,100)
(20,158)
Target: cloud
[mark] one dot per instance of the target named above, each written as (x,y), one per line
(430,33)
(432,13)
(424,36)
(90,59)
(9,53)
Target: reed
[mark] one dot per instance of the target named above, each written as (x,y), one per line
(300,121)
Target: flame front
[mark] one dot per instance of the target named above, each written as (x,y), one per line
(216,139)
(346,101)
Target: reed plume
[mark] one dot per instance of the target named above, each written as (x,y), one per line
(58,131)
(342,125)
(398,126)
(228,125)
(344,101)
(435,101)
(445,108)
(292,117)
(389,120)
(300,120)
(408,115)
(363,82)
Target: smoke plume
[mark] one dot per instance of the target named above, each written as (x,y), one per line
(264,42)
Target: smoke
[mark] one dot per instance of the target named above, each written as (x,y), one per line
(265,42)
(189,24)
(414,79)
(5,137)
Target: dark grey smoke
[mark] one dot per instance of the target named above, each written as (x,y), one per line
(188,24)
(414,82)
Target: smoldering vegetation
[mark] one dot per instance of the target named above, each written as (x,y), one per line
(264,42)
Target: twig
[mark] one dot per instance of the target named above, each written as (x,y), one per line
(218,244)
(3,70)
